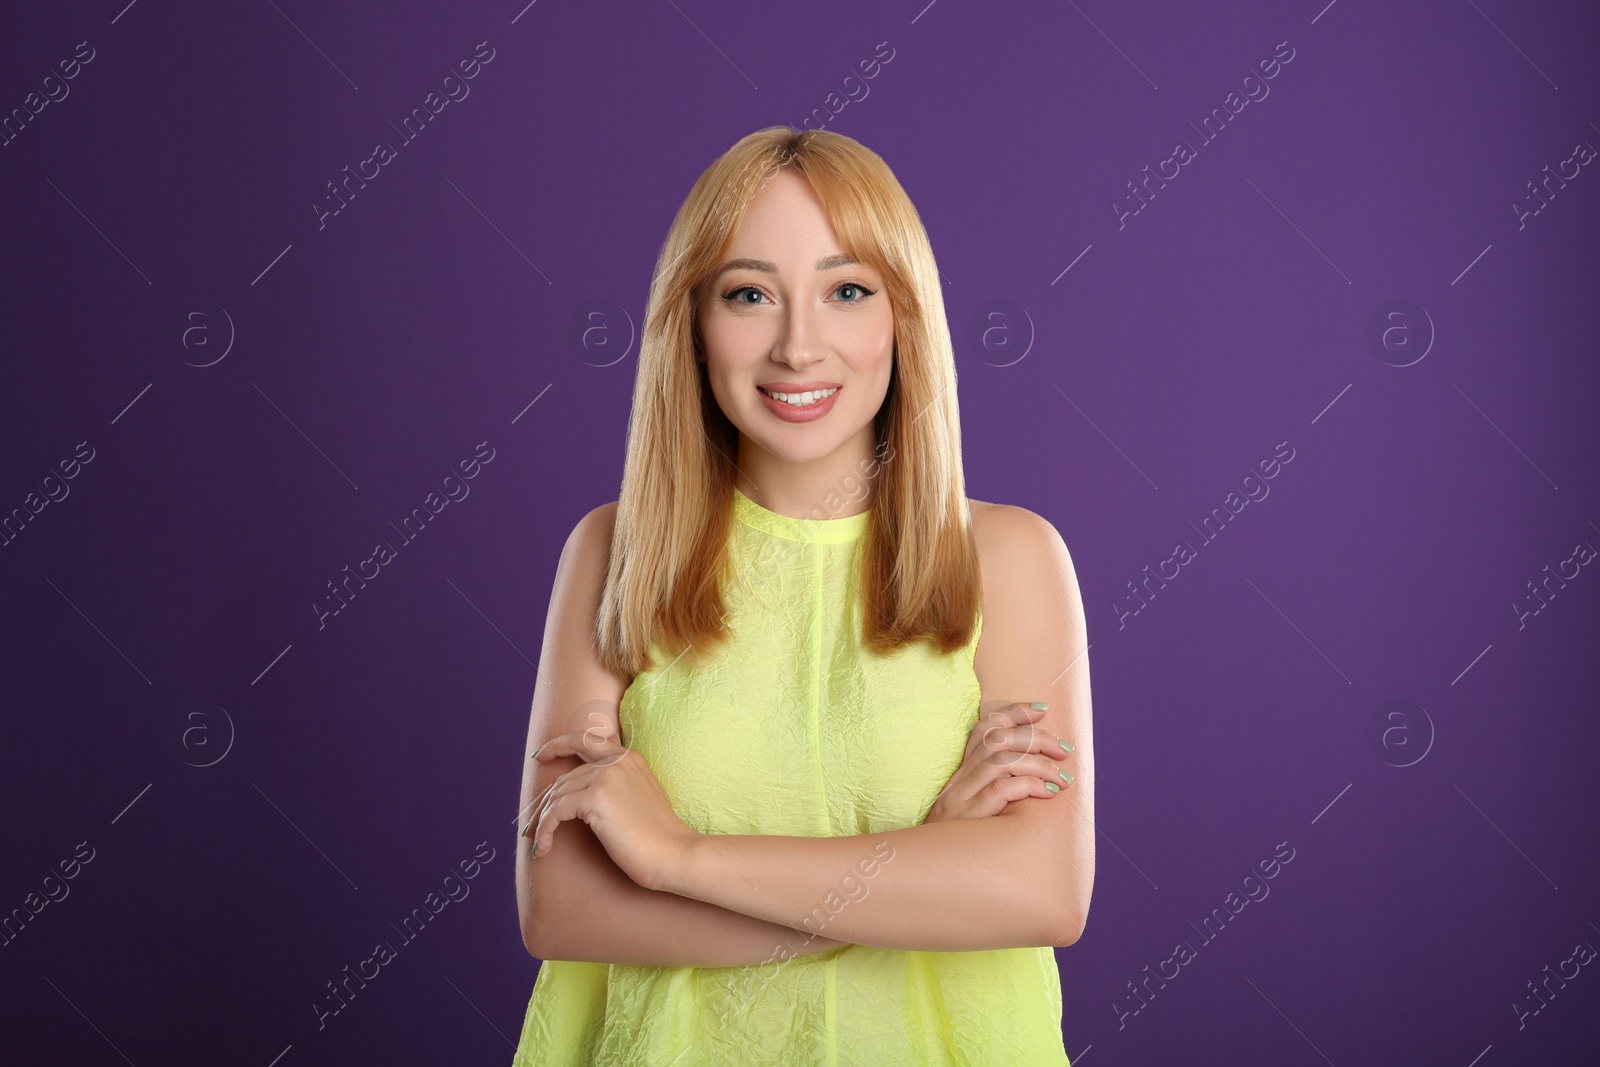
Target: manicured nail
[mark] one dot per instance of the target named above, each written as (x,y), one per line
(1039,705)
(1052,787)
(536,753)
(1065,777)
(1064,745)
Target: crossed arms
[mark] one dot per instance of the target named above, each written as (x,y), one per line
(1017,878)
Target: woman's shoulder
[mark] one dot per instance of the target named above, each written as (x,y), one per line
(1025,568)
(1007,521)
(1012,539)
(598,522)
(589,541)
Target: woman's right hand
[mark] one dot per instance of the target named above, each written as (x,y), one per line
(1007,758)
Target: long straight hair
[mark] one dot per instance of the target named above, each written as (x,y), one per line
(919,563)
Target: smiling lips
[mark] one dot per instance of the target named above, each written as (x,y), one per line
(799,401)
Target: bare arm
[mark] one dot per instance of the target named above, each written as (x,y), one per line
(576,904)
(938,887)
(1020,878)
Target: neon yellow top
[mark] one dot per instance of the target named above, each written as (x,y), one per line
(794,729)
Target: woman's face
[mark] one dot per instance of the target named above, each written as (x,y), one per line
(790,313)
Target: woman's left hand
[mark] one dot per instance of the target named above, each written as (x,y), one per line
(1007,759)
(619,797)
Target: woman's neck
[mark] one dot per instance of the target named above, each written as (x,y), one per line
(832,487)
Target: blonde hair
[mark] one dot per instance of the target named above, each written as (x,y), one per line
(919,563)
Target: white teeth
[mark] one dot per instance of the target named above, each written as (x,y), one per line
(801,400)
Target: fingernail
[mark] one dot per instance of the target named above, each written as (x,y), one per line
(1052,787)
(1065,777)
(1064,745)
(536,753)
(1039,705)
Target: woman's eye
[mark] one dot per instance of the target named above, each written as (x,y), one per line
(854,294)
(734,296)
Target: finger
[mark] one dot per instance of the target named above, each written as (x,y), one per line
(593,745)
(1024,738)
(990,800)
(974,777)
(1002,791)
(560,745)
(1000,732)
(572,804)
(1034,765)
(544,794)
(1010,715)
(580,777)
(544,828)
(1050,744)
(1003,717)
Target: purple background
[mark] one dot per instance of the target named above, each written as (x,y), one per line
(160,616)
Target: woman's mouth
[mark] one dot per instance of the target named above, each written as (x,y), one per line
(802,406)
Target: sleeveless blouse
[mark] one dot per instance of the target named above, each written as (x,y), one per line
(793,728)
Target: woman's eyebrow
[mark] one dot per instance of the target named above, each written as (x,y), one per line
(766,266)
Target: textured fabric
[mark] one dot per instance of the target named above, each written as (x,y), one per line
(794,729)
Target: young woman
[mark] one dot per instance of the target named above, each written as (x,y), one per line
(812,777)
